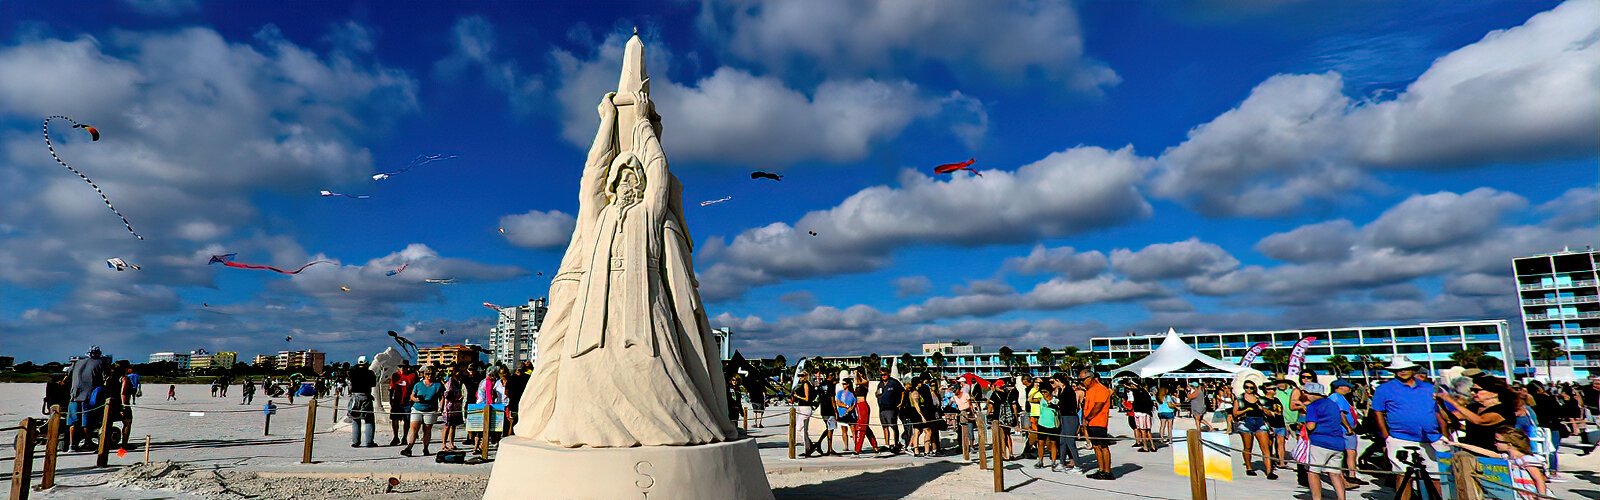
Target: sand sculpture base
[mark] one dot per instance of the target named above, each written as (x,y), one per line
(527,469)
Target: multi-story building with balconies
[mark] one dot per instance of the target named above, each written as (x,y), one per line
(1560,298)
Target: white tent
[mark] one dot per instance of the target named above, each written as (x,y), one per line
(1175,359)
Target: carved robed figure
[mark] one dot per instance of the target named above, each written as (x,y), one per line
(627,398)
(627,356)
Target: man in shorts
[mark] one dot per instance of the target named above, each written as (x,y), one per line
(400,401)
(891,394)
(1407,417)
(1325,425)
(1096,415)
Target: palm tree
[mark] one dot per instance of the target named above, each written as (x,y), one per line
(1068,357)
(938,360)
(1364,355)
(1006,359)
(1340,365)
(1046,358)
(1548,351)
(1467,358)
(1277,359)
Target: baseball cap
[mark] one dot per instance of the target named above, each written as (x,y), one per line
(1341,383)
(1314,388)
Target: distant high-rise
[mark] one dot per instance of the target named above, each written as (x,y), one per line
(182,359)
(1560,297)
(293,360)
(515,336)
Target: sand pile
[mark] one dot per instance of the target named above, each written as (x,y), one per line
(206,482)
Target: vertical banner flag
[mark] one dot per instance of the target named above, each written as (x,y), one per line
(1255,350)
(1297,357)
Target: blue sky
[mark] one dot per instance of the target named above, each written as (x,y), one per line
(1213,165)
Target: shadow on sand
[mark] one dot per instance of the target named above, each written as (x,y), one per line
(891,484)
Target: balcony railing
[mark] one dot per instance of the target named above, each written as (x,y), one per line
(1533,317)
(1577,363)
(1582,299)
(1588,330)
(1580,284)
(1542,331)
(1585,315)
(1536,302)
(1586,347)
(1536,286)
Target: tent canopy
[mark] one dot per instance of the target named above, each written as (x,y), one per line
(1175,359)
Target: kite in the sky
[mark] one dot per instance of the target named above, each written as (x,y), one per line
(227,260)
(441,331)
(708,203)
(344,288)
(765,175)
(440,281)
(120,265)
(206,306)
(491,306)
(405,344)
(401,269)
(94,135)
(420,160)
(287,338)
(813,233)
(952,167)
(325,193)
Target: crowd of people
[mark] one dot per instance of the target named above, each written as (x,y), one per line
(1312,425)
(423,397)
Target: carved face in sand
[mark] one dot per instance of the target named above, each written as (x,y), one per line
(627,185)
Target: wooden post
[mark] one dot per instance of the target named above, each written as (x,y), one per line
(983,431)
(333,416)
(53,433)
(146,448)
(311,428)
(999,465)
(100,458)
(746,412)
(22,466)
(962,424)
(791,433)
(1197,466)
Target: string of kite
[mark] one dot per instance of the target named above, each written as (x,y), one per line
(952,167)
(420,160)
(708,203)
(120,265)
(227,259)
(94,135)
(325,193)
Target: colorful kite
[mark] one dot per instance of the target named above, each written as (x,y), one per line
(765,175)
(952,167)
(491,306)
(227,260)
(708,203)
(393,272)
(120,265)
(406,345)
(94,135)
(415,162)
(440,281)
(344,288)
(325,193)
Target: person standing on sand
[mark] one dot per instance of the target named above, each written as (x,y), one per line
(424,412)
(172,392)
(361,411)
(1096,415)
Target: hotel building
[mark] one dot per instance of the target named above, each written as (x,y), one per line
(447,355)
(294,360)
(515,335)
(1427,344)
(1560,298)
(181,358)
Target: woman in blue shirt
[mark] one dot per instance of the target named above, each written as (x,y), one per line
(424,411)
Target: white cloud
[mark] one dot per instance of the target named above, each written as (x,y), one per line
(911,286)
(1068,192)
(1577,207)
(1007,42)
(1182,259)
(1061,294)
(1529,93)
(535,229)
(1429,221)
(472,40)
(1062,260)
(733,116)
(1323,241)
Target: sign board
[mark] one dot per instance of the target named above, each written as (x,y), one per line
(1497,470)
(497,414)
(1218,464)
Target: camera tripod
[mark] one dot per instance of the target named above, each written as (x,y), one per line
(1416,482)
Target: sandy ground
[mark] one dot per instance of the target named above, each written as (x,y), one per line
(221,453)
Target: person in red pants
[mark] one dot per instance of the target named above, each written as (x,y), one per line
(861,427)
